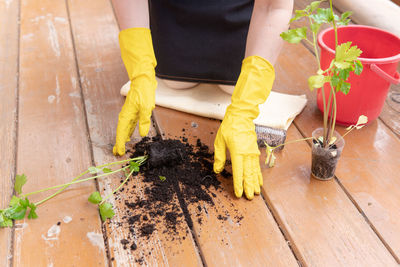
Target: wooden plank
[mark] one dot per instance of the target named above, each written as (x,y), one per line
(323,226)
(102,74)
(369,165)
(390,114)
(53,144)
(256,239)
(8,111)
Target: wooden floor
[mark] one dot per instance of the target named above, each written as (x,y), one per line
(60,76)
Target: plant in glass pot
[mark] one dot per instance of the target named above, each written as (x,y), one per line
(327,144)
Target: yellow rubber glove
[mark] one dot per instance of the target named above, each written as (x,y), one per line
(138,56)
(237,130)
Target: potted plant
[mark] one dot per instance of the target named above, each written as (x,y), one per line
(327,144)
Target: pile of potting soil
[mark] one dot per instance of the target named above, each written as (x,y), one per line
(176,174)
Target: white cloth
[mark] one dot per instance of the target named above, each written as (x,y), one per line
(207,100)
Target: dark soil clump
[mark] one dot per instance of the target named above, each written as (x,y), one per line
(176,174)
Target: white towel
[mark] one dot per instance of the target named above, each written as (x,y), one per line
(208,100)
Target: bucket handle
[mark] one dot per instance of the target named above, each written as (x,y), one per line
(384,75)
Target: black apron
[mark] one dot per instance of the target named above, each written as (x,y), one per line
(200,40)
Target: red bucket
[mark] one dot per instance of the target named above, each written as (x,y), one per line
(381,53)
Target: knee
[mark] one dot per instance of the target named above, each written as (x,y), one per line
(227,88)
(178,85)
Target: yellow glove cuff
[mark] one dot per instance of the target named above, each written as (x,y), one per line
(137,51)
(253,86)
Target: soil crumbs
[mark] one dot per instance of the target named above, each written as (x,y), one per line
(175,170)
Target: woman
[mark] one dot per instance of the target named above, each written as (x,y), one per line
(204,41)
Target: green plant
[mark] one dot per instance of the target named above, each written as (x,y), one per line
(19,204)
(344,63)
(270,158)
(337,74)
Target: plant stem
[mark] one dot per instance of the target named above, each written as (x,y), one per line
(334,107)
(116,189)
(326,116)
(311,43)
(80,175)
(334,27)
(319,67)
(314,43)
(351,129)
(64,186)
(293,141)
(140,160)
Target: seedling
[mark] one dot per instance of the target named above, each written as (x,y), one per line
(270,159)
(344,63)
(20,204)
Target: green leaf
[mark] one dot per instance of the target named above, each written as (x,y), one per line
(347,52)
(315,27)
(134,166)
(346,14)
(15,213)
(345,88)
(5,221)
(20,180)
(335,80)
(314,5)
(342,65)
(24,202)
(344,20)
(14,201)
(94,170)
(316,81)
(162,178)
(294,36)
(32,213)
(106,211)
(107,170)
(358,67)
(339,85)
(322,16)
(297,15)
(95,198)
(344,74)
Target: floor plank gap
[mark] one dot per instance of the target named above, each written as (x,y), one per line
(285,236)
(367,220)
(90,144)
(182,203)
(12,241)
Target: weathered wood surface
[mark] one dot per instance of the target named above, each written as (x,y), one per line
(253,241)
(365,163)
(351,221)
(8,112)
(321,223)
(53,145)
(102,74)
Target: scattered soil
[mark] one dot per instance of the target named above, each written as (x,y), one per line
(162,204)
